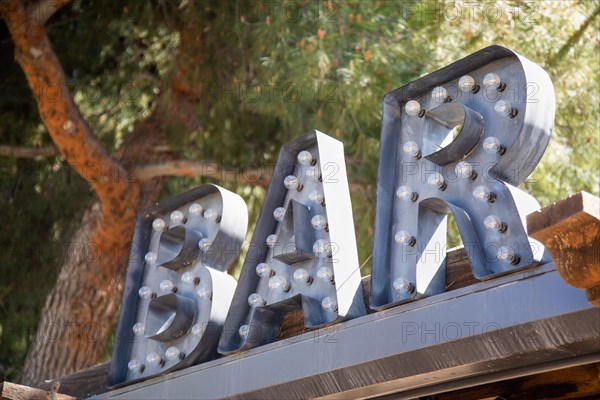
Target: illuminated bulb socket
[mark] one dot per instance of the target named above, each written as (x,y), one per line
(504,108)
(291,182)
(403,286)
(493,80)
(413,108)
(507,255)
(264,270)
(319,223)
(155,360)
(305,158)
(167,286)
(146,293)
(204,293)
(465,169)
(322,248)
(204,245)
(150,258)
(159,225)
(135,366)
(317,197)
(244,331)
(439,94)
(189,278)
(325,274)
(491,145)
(329,304)
(256,300)
(302,276)
(403,237)
(484,194)
(195,209)
(138,328)
(173,354)
(271,239)
(210,214)
(177,217)
(494,223)
(279,213)
(405,193)
(412,149)
(437,180)
(197,329)
(279,283)
(466,83)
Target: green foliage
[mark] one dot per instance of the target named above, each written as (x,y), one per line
(270,71)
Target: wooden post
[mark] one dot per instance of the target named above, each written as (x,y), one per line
(570,230)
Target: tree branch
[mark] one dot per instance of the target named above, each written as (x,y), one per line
(572,41)
(208,169)
(42,10)
(27,152)
(61,116)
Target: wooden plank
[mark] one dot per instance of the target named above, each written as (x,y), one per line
(570,383)
(570,230)
(13,391)
(84,383)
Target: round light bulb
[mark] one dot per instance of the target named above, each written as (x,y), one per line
(403,237)
(197,329)
(436,179)
(244,331)
(321,247)
(150,258)
(482,193)
(439,94)
(463,169)
(466,83)
(401,285)
(504,108)
(145,292)
(318,222)
(271,239)
(256,300)
(412,108)
(138,328)
(166,286)
(187,277)
(411,148)
(329,304)
(203,293)
(153,359)
(279,213)
(177,217)
(406,193)
(291,182)
(492,145)
(325,274)
(263,270)
(492,80)
(204,245)
(172,353)
(159,225)
(304,157)
(302,276)
(316,196)
(507,255)
(494,223)
(134,365)
(279,283)
(211,214)
(195,209)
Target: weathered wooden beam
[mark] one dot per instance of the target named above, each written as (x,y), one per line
(13,391)
(570,230)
